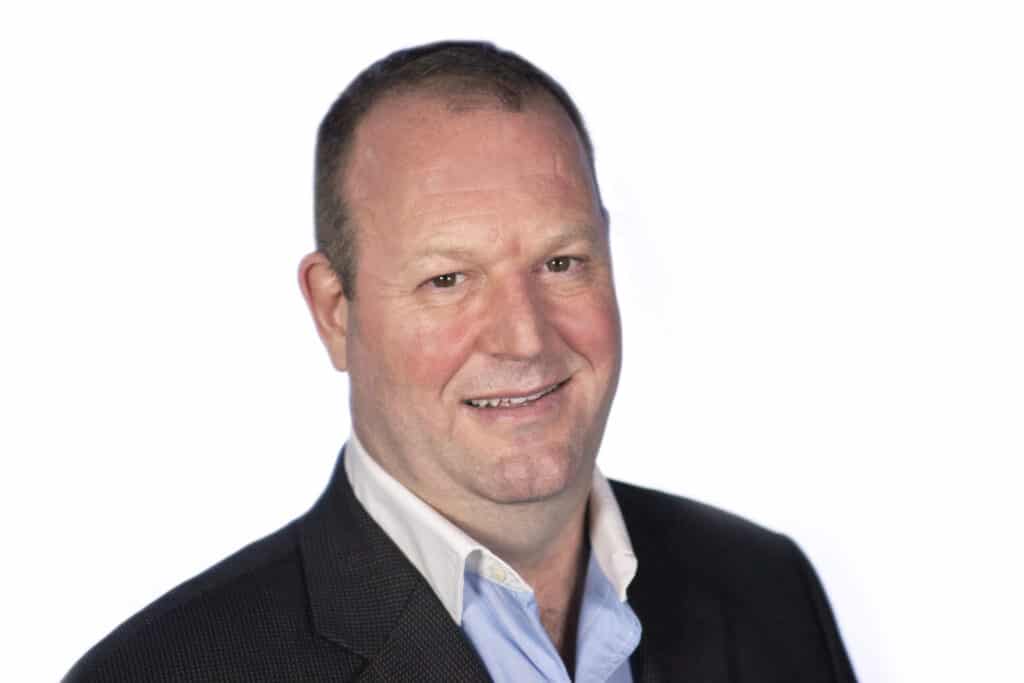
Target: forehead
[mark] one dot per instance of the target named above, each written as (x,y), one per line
(418,149)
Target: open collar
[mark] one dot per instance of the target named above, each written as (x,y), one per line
(442,552)
(366,597)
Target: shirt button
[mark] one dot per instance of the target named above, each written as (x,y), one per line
(496,573)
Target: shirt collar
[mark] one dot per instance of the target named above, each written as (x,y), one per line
(442,552)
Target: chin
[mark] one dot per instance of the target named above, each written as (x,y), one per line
(536,476)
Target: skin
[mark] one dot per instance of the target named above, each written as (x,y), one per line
(483,271)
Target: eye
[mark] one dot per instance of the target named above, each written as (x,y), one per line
(559,264)
(447,280)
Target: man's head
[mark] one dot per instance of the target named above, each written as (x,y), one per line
(481,333)
(465,74)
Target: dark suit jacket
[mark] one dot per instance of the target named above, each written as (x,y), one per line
(331,598)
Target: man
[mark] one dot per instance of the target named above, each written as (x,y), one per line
(463,280)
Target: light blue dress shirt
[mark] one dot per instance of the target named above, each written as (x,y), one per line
(505,628)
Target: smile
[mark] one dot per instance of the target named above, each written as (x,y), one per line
(514,402)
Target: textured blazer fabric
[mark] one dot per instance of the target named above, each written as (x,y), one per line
(331,598)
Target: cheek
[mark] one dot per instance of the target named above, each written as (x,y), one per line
(434,348)
(591,328)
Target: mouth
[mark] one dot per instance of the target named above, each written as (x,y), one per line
(514,401)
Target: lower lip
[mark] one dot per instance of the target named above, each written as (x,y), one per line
(545,404)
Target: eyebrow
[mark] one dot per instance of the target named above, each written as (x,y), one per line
(442,246)
(575,232)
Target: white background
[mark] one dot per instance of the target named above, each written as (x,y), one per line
(817,221)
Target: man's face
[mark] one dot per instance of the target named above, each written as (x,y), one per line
(484,277)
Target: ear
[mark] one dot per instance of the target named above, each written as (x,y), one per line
(327,304)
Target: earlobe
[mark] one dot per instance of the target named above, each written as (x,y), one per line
(327,304)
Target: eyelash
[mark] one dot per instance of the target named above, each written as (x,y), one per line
(454,278)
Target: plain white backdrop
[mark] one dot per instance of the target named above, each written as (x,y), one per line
(817,215)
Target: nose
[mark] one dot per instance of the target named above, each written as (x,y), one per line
(516,321)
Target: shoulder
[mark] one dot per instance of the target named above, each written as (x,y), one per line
(716,549)
(747,568)
(251,601)
(756,584)
(673,523)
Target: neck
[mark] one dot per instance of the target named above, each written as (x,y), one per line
(550,554)
(558,589)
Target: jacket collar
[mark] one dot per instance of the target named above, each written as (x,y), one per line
(366,597)
(685,628)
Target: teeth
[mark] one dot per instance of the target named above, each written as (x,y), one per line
(510,402)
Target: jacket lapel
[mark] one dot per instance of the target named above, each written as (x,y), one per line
(425,646)
(685,630)
(366,597)
(683,640)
